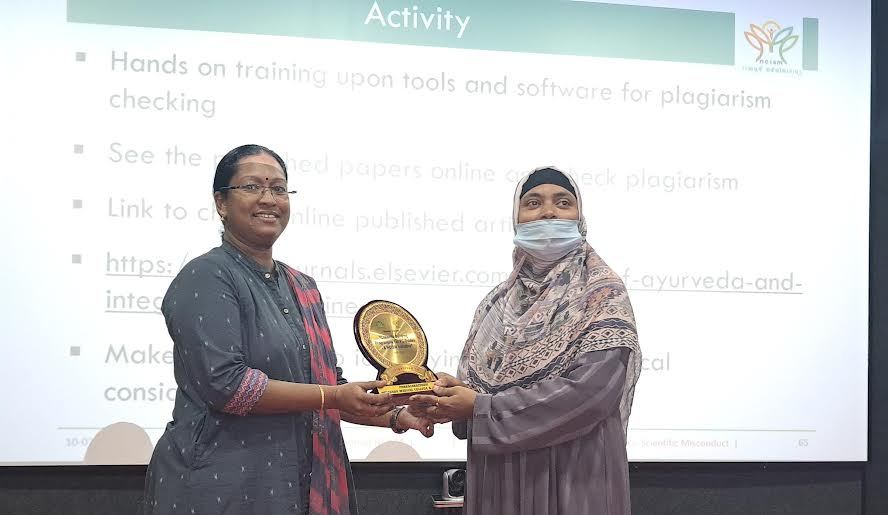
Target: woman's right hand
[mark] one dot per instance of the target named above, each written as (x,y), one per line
(452,400)
(447,380)
(355,398)
(425,411)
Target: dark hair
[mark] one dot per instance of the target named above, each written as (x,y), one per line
(547,176)
(227,166)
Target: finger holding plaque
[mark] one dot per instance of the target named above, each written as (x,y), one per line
(395,344)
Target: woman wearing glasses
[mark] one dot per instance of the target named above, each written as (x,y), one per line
(255,425)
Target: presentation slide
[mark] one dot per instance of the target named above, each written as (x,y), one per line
(721,148)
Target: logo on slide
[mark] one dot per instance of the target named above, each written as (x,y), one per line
(771,41)
(777,49)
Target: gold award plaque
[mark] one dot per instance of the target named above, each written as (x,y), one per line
(395,344)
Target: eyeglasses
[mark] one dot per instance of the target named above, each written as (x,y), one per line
(255,190)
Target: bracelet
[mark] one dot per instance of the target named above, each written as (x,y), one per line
(393,421)
(321,388)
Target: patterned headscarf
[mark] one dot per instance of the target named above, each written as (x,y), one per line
(537,323)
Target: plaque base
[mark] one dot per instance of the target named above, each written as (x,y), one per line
(407,389)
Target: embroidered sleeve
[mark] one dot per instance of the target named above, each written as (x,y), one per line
(247,395)
(203,318)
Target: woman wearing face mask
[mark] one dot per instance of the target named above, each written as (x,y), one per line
(548,373)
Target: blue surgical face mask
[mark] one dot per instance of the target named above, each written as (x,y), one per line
(548,240)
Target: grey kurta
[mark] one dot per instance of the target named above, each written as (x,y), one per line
(226,316)
(554,448)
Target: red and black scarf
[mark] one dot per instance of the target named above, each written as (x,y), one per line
(329,493)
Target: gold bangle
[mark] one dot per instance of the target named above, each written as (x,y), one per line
(321,388)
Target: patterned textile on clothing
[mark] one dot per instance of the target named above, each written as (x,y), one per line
(234,326)
(554,357)
(329,490)
(536,324)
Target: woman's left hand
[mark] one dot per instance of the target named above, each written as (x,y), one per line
(448,403)
(407,420)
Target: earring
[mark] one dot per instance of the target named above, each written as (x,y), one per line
(222,218)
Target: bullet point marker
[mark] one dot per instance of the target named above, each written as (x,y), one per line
(78,204)
(78,149)
(75,350)
(80,57)
(76,259)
